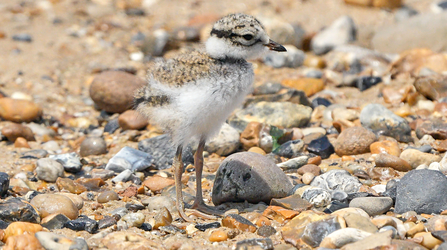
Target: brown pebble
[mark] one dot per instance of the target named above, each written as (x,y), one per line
(48,204)
(67,184)
(386,146)
(107,196)
(262,221)
(19,228)
(130,191)
(113,91)
(93,146)
(308,177)
(21,143)
(218,236)
(238,222)
(355,140)
(257,150)
(250,136)
(17,110)
(162,218)
(23,241)
(14,131)
(279,214)
(391,161)
(132,119)
(309,168)
(156,183)
(314,160)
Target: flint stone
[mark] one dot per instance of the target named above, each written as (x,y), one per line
(415,193)
(337,180)
(249,177)
(129,159)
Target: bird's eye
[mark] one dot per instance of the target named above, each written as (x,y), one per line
(247,37)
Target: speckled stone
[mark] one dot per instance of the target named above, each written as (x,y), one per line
(15,209)
(93,146)
(49,170)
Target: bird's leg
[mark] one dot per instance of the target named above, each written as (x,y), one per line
(199,204)
(178,166)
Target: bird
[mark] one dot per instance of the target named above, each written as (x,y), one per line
(191,95)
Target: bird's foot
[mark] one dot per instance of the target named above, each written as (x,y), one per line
(201,210)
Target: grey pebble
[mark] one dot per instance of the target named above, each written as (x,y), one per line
(129,159)
(373,205)
(341,31)
(70,161)
(49,170)
(337,180)
(93,146)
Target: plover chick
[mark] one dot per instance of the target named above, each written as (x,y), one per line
(192,95)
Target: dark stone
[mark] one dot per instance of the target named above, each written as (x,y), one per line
(440,235)
(34,154)
(391,189)
(70,161)
(107,221)
(22,37)
(134,207)
(15,209)
(266,244)
(365,82)
(437,129)
(320,101)
(135,12)
(57,222)
(266,231)
(316,231)
(146,227)
(82,223)
(416,193)
(171,229)
(321,147)
(4,183)
(290,149)
(3,224)
(241,175)
(352,196)
(111,126)
(205,226)
(335,205)
(163,151)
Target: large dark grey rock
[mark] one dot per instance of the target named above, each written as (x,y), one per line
(4,183)
(384,122)
(163,151)
(422,191)
(421,31)
(14,209)
(251,177)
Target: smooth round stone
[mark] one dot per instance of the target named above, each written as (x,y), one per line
(134,219)
(13,131)
(428,240)
(337,180)
(16,110)
(415,157)
(218,236)
(21,143)
(132,119)
(386,146)
(53,241)
(239,176)
(343,236)
(4,183)
(343,113)
(257,150)
(51,146)
(381,120)
(93,146)
(107,196)
(19,228)
(21,96)
(391,161)
(354,140)
(76,199)
(49,170)
(422,191)
(308,177)
(309,168)
(341,31)
(225,143)
(372,205)
(113,91)
(48,204)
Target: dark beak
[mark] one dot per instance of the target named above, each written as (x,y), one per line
(272,45)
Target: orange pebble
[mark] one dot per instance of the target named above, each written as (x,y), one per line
(218,236)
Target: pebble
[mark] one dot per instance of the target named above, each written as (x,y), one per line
(342,237)
(428,240)
(52,146)
(225,143)
(134,219)
(156,43)
(205,226)
(106,222)
(437,129)
(111,126)
(15,209)
(66,184)
(218,236)
(19,227)
(54,221)
(48,204)
(307,178)
(294,163)
(4,183)
(381,120)
(309,168)
(107,196)
(49,170)
(317,196)
(93,146)
(161,152)
(132,119)
(238,222)
(70,161)
(337,180)
(22,37)
(385,146)
(113,91)
(292,58)
(416,158)
(322,147)
(53,241)
(17,110)
(415,193)
(265,243)
(365,82)
(279,214)
(82,223)
(239,175)
(23,241)
(390,161)
(360,222)
(21,143)
(123,176)
(290,149)
(157,183)
(375,240)
(354,140)
(129,159)
(127,240)
(13,131)
(279,114)
(266,231)
(310,86)
(341,31)
(372,205)
(162,218)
